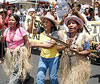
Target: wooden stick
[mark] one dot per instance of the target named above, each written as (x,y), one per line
(94,9)
(91,55)
(57,40)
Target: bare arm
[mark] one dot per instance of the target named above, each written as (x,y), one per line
(30,26)
(78,14)
(84,52)
(60,47)
(27,45)
(3,39)
(43,45)
(26,41)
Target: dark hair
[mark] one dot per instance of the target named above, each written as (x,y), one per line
(86,8)
(75,3)
(91,10)
(79,29)
(79,5)
(17,18)
(53,28)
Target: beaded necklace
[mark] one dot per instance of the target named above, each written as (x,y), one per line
(12,34)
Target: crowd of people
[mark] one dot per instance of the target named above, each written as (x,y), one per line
(65,48)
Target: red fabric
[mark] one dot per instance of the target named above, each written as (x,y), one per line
(0,22)
(98,46)
(6,22)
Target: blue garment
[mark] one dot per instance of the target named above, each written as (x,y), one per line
(13,79)
(44,64)
(98,51)
(40,30)
(86,45)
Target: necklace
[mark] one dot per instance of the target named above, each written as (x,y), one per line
(11,35)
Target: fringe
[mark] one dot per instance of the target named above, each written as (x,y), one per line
(83,37)
(18,60)
(79,72)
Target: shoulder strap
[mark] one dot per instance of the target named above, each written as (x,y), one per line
(20,31)
(7,30)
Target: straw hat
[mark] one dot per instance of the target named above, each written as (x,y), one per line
(98,1)
(78,20)
(31,10)
(49,17)
(1,10)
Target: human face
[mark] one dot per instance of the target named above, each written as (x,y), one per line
(32,13)
(12,22)
(87,11)
(47,24)
(72,26)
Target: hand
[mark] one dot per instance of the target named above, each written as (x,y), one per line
(74,10)
(52,41)
(75,50)
(33,16)
(34,44)
(69,42)
(2,38)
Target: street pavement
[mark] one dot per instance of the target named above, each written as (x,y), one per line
(94,78)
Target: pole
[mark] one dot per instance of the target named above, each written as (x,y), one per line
(99,9)
(36,4)
(94,10)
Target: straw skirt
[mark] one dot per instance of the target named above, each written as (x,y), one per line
(17,62)
(76,72)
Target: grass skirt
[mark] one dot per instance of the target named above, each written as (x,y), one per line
(77,73)
(18,60)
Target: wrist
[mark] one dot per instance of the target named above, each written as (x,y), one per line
(79,53)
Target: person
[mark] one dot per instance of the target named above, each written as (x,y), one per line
(16,61)
(89,14)
(2,27)
(7,18)
(21,10)
(16,11)
(74,66)
(1,24)
(30,19)
(98,50)
(98,53)
(37,29)
(49,57)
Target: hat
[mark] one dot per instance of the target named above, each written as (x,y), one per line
(1,10)
(78,20)
(98,1)
(50,17)
(31,10)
